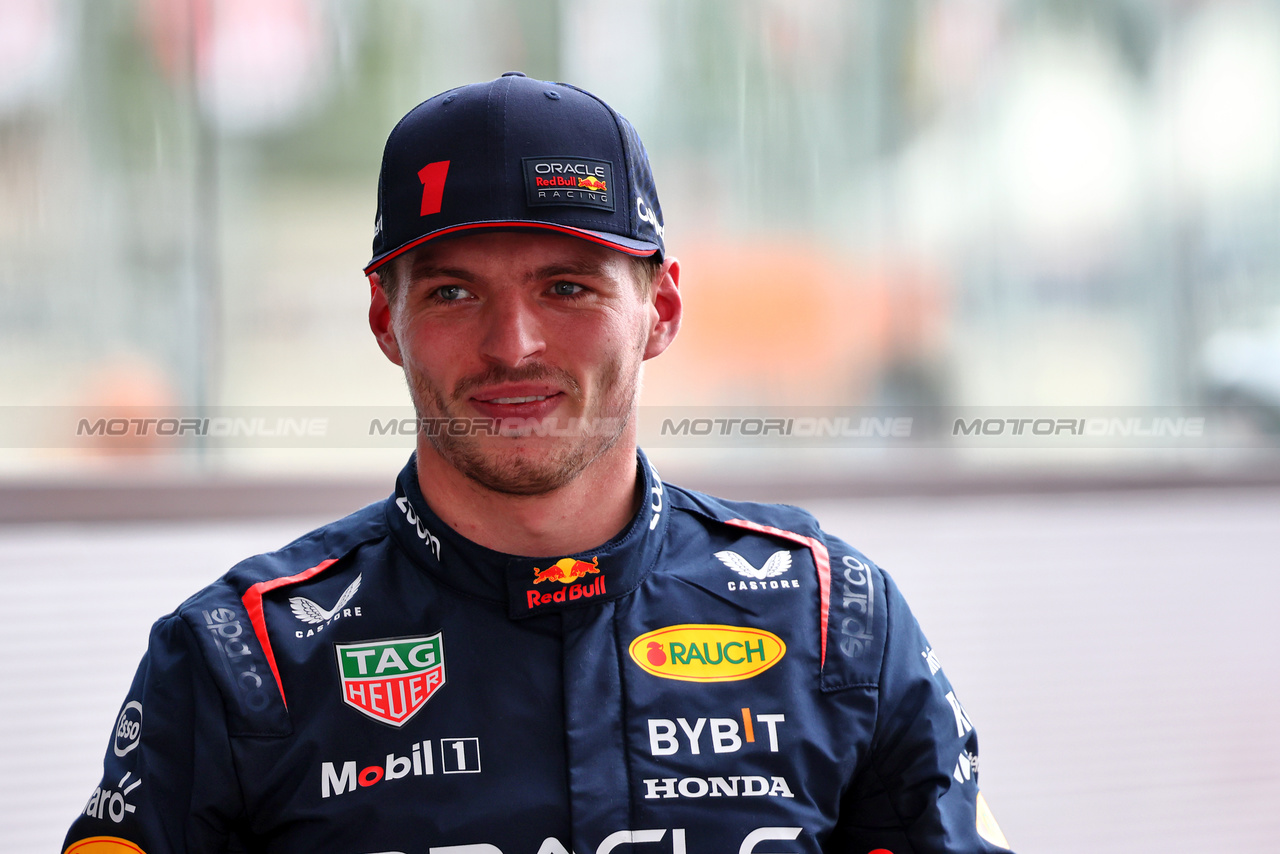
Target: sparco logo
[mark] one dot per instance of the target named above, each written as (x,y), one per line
(309,612)
(228,634)
(858,600)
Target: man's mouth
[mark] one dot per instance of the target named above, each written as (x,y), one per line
(529,399)
(518,402)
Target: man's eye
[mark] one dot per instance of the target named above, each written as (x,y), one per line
(452,293)
(567,289)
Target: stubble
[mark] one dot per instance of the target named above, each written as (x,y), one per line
(525,463)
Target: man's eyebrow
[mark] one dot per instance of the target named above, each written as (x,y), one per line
(584,267)
(431,271)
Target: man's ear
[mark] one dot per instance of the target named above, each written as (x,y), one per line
(380,320)
(668,309)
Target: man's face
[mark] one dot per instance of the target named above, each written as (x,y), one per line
(522,328)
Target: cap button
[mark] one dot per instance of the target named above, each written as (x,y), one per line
(513,74)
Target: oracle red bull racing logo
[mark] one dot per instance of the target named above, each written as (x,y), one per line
(567,571)
(568,181)
(391,680)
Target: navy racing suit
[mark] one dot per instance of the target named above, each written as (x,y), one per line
(719,677)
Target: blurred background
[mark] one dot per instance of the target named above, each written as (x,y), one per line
(1063,209)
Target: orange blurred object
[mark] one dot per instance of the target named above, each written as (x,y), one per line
(794,323)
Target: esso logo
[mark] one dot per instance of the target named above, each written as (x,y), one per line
(128,728)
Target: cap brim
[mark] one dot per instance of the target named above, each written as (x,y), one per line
(636,248)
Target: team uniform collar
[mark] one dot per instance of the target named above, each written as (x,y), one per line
(530,585)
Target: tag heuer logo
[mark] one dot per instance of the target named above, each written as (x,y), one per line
(390,680)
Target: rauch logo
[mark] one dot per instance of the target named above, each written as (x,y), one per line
(390,680)
(707,653)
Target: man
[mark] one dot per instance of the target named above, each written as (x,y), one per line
(535,646)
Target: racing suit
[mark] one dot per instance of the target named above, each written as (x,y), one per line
(719,677)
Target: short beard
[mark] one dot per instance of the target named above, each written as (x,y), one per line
(561,463)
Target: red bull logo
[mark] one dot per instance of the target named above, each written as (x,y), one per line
(567,570)
(558,181)
(592,183)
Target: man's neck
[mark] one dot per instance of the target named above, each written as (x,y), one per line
(584,513)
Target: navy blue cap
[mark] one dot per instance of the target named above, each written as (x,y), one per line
(516,153)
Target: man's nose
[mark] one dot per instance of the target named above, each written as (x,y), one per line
(512,333)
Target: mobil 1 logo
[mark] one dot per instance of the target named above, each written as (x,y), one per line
(456,756)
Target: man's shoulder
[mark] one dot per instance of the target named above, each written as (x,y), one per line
(783,521)
(291,563)
(852,621)
(724,511)
(223,623)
